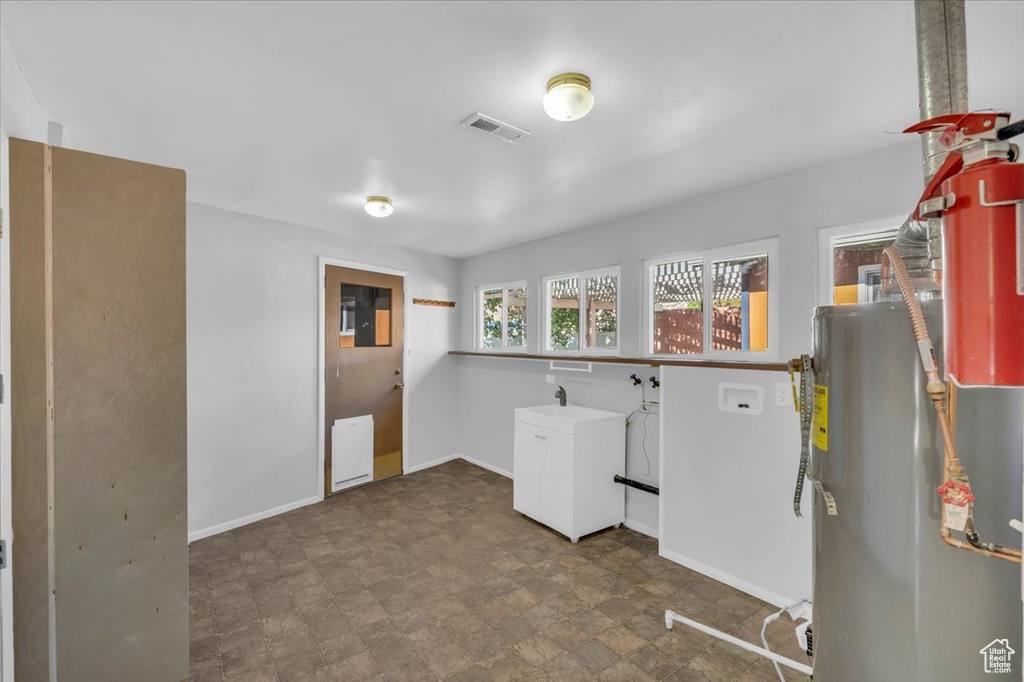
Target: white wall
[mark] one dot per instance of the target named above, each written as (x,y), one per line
(21,114)
(793,208)
(252,361)
(727,510)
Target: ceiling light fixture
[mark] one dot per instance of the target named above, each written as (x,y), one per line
(569,97)
(379,207)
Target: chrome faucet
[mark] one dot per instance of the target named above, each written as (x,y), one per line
(560,394)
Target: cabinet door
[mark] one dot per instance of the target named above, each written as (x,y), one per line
(527,473)
(556,488)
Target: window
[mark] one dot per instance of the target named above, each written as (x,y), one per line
(739,300)
(581,312)
(857,266)
(718,303)
(502,317)
(678,308)
(850,260)
(365,316)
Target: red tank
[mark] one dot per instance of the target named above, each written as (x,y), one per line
(979,192)
(983,274)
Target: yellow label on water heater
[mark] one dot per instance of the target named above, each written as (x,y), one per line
(819,418)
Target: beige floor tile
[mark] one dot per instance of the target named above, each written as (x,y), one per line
(353,669)
(621,640)
(506,666)
(538,650)
(483,644)
(594,656)
(448,660)
(624,671)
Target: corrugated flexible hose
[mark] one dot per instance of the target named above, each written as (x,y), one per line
(953,469)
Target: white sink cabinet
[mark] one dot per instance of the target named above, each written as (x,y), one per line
(565,461)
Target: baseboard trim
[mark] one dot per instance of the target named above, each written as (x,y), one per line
(251,518)
(485,465)
(458,455)
(641,528)
(432,463)
(728,579)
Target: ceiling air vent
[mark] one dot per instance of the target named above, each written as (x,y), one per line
(491,126)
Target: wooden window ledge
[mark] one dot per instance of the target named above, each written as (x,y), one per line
(614,360)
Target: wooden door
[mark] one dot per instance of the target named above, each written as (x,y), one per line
(363,351)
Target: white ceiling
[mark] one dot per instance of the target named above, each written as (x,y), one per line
(297,111)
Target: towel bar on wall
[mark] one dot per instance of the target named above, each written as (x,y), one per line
(585,367)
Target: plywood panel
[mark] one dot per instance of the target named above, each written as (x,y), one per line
(30,442)
(120,539)
(98,347)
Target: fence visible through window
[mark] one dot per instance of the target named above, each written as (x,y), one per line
(679,308)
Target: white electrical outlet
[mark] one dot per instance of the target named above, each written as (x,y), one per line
(550,378)
(784,395)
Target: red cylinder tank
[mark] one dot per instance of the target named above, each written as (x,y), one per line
(983,274)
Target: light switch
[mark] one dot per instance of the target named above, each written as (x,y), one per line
(550,378)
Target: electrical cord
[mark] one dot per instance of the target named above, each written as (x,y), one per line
(646,409)
(643,444)
(764,632)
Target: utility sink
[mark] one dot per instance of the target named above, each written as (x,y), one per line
(563,419)
(564,468)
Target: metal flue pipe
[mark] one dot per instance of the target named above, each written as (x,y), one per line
(942,89)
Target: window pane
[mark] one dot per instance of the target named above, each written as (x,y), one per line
(739,291)
(516,308)
(602,316)
(565,314)
(492,318)
(678,308)
(857,266)
(365,316)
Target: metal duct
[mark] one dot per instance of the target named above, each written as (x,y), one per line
(942,89)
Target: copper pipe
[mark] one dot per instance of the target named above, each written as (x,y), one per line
(952,468)
(951,406)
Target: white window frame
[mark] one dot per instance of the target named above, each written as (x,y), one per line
(769,246)
(827,237)
(545,311)
(479,316)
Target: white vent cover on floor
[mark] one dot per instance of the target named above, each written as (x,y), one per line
(503,131)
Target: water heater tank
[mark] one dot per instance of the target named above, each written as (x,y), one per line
(891,600)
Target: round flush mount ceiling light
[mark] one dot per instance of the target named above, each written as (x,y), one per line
(569,97)
(379,207)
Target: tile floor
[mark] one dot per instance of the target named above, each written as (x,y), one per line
(434,576)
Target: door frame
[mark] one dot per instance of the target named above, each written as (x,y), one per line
(322,263)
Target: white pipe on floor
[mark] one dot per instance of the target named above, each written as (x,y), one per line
(671,616)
